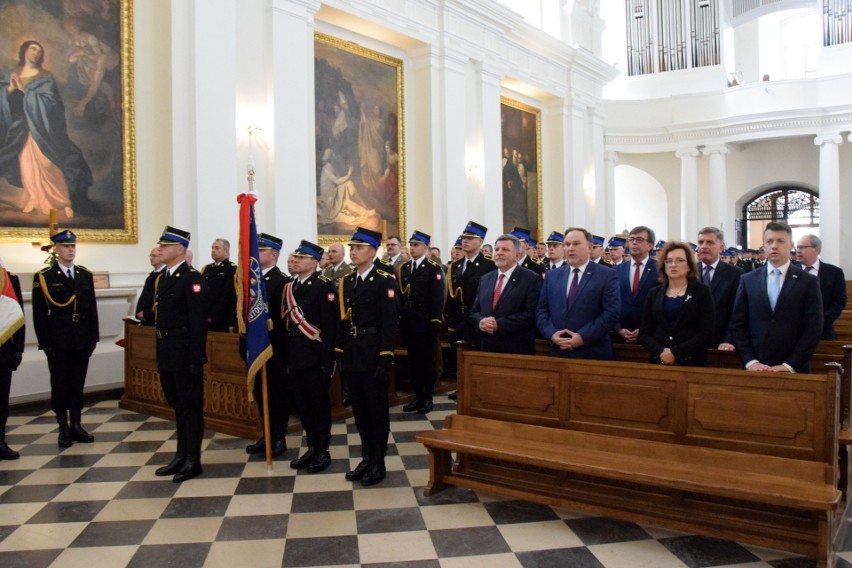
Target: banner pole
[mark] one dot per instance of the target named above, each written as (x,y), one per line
(266,432)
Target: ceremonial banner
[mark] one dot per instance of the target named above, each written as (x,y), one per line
(11,315)
(253,313)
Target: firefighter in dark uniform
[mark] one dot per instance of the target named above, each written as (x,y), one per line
(11,353)
(527,241)
(421,281)
(181,320)
(311,309)
(597,255)
(65,316)
(220,276)
(145,305)
(368,305)
(269,248)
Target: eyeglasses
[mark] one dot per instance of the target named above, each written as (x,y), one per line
(638,240)
(805,247)
(673,261)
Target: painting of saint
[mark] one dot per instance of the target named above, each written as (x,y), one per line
(521,142)
(62,119)
(358,105)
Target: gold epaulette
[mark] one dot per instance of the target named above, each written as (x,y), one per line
(432,262)
(77,266)
(381,272)
(324,278)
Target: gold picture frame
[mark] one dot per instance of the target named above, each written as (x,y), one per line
(360,133)
(520,128)
(87,65)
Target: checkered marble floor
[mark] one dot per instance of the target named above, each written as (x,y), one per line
(101,504)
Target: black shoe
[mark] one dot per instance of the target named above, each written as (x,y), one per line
(412,406)
(258,447)
(345,402)
(376,474)
(78,434)
(172,468)
(358,473)
(425,408)
(191,468)
(321,461)
(64,439)
(304,460)
(278,448)
(453,395)
(7,453)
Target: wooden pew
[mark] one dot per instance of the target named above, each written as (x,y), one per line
(726,453)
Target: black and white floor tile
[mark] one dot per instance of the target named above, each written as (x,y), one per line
(101,505)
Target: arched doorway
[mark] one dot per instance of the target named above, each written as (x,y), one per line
(797,206)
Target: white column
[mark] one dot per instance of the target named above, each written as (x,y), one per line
(554,148)
(610,161)
(600,224)
(829,196)
(215,136)
(491,168)
(575,157)
(293,148)
(719,190)
(688,192)
(449,172)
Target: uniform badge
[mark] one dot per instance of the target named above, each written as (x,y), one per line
(196,288)
(330,296)
(438,276)
(391,293)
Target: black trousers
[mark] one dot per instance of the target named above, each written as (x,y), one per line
(311,389)
(369,397)
(185,394)
(5,388)
(278,390)
(421,363)
(68,368)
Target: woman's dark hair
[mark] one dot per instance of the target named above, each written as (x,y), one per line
(690,261)
(25,46)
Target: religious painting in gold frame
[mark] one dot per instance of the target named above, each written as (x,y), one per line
(360,156)
(67,124)
(520,127)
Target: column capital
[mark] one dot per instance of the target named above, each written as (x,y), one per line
(611,157)
(823,139)
(492,73)
(305,9)
(720,149)
(687,152)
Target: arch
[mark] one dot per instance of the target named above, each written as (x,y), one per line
(640,199)
(794,204)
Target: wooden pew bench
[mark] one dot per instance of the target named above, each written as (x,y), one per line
(719,452)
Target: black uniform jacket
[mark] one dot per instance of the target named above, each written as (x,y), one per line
(317,298)
(422,296)
(368,323)
(65,314)
(181,320)
(221,295)
(689,336)
(462,293)
(275,280)
(145,304)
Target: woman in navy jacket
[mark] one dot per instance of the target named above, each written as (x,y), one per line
(677,322)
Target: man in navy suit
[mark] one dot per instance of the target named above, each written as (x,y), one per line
(504,310)
(777,319)
(723,280)
(832,282)
(636,278)
(578,305)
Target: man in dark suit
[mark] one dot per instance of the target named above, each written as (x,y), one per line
(11,351)
(777,319)
(422,283)
(832,282)
(365,341)
(310,301)
(636,278)
(723,280)
(221,288)
(181,351)
(65,316)
(145,305)
(504,310)
(268,250)
(578,305)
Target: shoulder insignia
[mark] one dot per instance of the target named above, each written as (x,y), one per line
(324,278)
(82,268)
(46,269)
(432,262)
(537,261)
(381,272)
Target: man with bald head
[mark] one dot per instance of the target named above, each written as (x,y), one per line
(145,305)
(337,266)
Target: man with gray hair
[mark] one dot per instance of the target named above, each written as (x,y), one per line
(220,276)
(832,282)
(723,280)
(504,310)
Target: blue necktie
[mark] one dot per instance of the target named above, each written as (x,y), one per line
(774,287)
(575,285)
